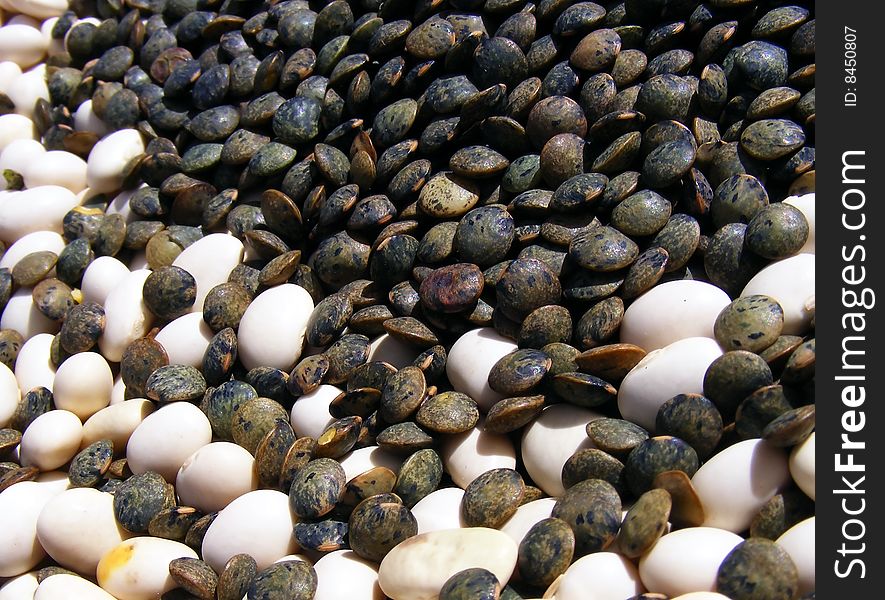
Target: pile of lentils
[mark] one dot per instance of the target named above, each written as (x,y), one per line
(366,299)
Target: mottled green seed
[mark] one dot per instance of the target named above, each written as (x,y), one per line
(656,455)
(545,325)
(511,414)
(644,523)
(253,419)
(777,231)
(600,323)
(727,261)
(140,359)
(641,214)
(749,323)
(410,331)
(220,356)
(526,284)
(770,139)
(378,524)
(308,374)
(402,394)
(592,463)
(759,409)
(296,121)
(484,235)
(34,403)
(737,200)
(174,522)
(492,498)
(225,305)
(338,438)
(780,513)
(645,272)
(175,383)
(603,249)
(53,298)
(32,268)
(680,238)
(448,412)
(316,488)
(169,292)
(791,427)
(668,163)
(582,389)
(347,353)
(341,259)
(323,536)
(692,418)
(592,509)
(298,456)
(292,579)
(471,584)
(233,582)
(419,475)
(82,327)
(15,474)
(90,464)
(271,453)
(271,159)
(139,499)
(478,162)
(546,551)
(194,576)
(519,371)
(195,534)
(563,356)
(760,569)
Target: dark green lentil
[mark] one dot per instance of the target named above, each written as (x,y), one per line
(317,488)
(592,509)
(475,583)
(233,582)
(692,418)
(749,323)
(139,498)
(448,412)
(592,463)
(511,414)
(294,579)
(175,383)
(173,523)
(419,475)
(349,99)
(170,292)
(90,464)
(379,523)
(780,513)
(492,498)
(759,409)
(758,568)
(644,523)
(379,480)
(404,438)
(253,419)
(194,576)
(10,343)
(656,455)
(140,359)
(83,325)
